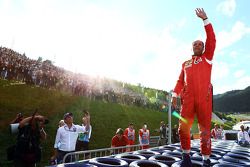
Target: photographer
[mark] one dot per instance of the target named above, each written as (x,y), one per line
(28,151)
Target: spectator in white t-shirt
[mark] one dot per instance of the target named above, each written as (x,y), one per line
(243,137)
(223,137)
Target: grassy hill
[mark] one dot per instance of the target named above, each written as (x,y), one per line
(236,101)
(105,117)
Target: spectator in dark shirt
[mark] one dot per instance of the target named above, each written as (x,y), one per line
(163,134)
(28,151)
(175,134)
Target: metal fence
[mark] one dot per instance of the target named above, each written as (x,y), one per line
(88,154)
(154,141)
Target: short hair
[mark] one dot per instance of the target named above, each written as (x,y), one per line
(68,114)
(119,131)
(198,40)
(61,122)
(242,127)
(85,111)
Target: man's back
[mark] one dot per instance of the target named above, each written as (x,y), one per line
(28,150)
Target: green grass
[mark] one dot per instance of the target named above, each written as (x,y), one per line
(105,117)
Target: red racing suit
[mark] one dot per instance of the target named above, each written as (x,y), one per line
(195,89)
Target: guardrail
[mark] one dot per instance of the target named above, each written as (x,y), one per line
(88,154)
(154,141)
(83,155)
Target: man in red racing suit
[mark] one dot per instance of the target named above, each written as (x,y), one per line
(195,89)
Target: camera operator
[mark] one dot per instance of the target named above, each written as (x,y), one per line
(28,151)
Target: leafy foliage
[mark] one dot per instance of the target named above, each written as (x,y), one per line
(236,101)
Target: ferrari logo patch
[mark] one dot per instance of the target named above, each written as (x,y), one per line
(188,63)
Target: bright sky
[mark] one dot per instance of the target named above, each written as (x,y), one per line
(136,41)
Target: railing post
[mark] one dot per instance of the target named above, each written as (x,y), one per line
(169,117)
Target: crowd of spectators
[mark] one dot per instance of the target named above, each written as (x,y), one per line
(15,66)
(18,67)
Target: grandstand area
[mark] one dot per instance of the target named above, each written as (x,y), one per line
(18,67)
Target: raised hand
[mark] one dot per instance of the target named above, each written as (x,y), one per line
(87,117)
(201,13)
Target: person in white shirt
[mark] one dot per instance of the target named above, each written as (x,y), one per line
(66,137)
(223,137)
(243,137)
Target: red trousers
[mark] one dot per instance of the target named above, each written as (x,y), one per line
(201,106)
(145,147)
(131,142)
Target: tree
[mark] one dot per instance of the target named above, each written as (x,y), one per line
(48,61)
(40,59)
